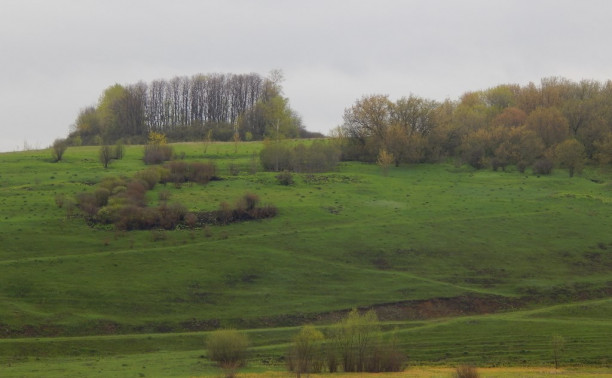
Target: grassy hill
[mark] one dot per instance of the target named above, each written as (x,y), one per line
(470,266)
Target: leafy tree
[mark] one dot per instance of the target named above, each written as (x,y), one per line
(510,117)
(107,111)
(306,351)
(87,125)
(570,155)
(368,118)
(415,115)
(105,155)
(385,159)
(356,338)
(58,148)
(228,349)
(549,124)
(604,150)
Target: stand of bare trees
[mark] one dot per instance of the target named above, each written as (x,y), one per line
(187,108)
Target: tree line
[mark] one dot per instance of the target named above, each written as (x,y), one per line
(558,121)
(215,106)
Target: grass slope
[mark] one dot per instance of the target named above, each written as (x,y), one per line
(345,239)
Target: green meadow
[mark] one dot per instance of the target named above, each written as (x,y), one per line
(465,266)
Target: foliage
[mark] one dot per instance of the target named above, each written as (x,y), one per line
(501,126)
(157,138)
(543,166)
(157,153)
(570,154)
(105,155)
(318,156)
(58,148)
(285,178)
(228,349)
(306,353)
(385,159)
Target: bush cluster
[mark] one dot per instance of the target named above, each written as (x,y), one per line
(122,201)
(354,344)
(319,156)
(245,209)
(543,166)
(157,153)
(180,172)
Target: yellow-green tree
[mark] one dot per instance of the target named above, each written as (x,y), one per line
(306,354)
(570,155)
(384,161)
(227,348)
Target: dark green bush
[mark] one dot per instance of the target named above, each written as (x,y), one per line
(543,166)
(285,178)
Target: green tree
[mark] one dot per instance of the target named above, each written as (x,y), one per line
(108,111)
(603,150)
(227,348)
(105,155)
(87,125)
(549,124)
(356,338)
(570,155)
(306,351)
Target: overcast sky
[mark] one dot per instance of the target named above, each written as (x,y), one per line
(57,56)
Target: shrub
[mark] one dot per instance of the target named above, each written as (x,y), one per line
(359,347)
(191,220)
(150,177)
(87,203)
(157,153)
(276,157)
(522,165)
(285,178)
(543,166)
(135,192)
(466,372)
(102,195)
(58,148)
(170,215)
(317,157)
(227,348)
(201,173)
(248,202)
(111,182)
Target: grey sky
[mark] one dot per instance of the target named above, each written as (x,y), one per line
(57,56)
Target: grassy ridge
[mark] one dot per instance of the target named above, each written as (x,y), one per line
(344,239)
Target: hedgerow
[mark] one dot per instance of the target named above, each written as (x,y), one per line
(121,201)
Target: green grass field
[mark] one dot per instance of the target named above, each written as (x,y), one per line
(474,267)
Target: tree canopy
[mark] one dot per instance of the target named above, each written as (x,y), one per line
(559,120)
(190,108)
